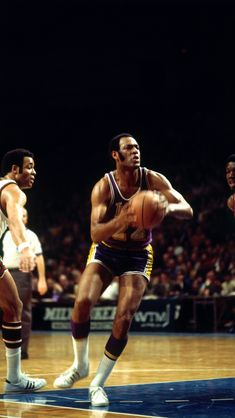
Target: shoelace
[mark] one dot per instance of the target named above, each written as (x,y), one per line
(97,390)
(24,375)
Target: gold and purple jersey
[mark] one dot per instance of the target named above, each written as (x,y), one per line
(132,238)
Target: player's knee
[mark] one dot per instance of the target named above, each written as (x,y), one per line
(17,308)
(13,310)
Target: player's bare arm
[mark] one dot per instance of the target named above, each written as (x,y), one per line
(100,199)
(13,201)
(178,206)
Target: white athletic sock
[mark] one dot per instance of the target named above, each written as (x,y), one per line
(13,356)
(80,349)
(105,367)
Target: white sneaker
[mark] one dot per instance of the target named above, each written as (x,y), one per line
(98,396)
(69,377)
(25,384)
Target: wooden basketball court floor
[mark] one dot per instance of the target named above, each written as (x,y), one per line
(158,375)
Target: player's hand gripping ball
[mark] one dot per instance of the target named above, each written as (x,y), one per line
(231,202)
(149,208)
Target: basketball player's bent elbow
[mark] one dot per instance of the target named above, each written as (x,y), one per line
(180,211)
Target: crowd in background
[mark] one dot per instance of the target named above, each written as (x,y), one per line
(192,258)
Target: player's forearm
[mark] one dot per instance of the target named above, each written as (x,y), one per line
(15,222)
(18,231)
(103,231)
(40,263)
(180,210)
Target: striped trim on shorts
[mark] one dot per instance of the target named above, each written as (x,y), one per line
(122,262)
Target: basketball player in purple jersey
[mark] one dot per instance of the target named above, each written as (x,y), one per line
(119,249)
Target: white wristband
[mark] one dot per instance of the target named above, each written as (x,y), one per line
(22,246)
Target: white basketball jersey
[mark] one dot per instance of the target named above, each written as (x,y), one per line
(3,218)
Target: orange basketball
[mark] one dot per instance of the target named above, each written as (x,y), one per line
(231,202)
(149,208)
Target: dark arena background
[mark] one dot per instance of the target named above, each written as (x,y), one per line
(73,75)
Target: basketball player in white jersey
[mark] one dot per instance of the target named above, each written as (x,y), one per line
(18,173)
